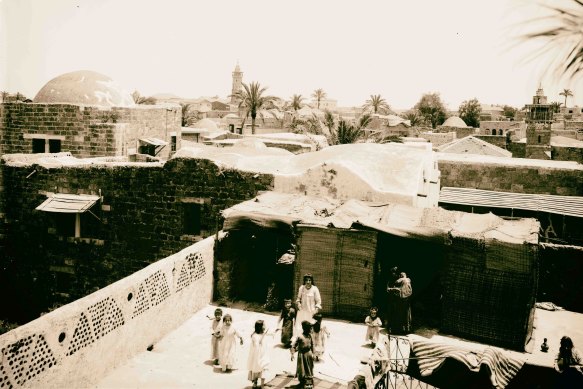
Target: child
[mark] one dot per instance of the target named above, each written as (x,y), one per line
(319,335)
(258,358)
(287,319)
(303,345)
(228,346)
(216,335)
(373,323)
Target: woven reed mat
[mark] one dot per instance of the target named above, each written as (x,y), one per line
(284,381)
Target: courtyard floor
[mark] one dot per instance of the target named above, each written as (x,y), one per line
(181,359)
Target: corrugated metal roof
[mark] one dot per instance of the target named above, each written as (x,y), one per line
(67,203)
(562,205)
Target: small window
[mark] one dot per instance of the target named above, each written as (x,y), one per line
(173,143)
(192,215)
(148,149)
(38,146)
(539,139)
(494,132)
(500,132)
(54,145)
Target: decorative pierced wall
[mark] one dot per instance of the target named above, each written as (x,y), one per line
(105,317)
(82,336)
(151,292)
(32,356)
(24,360)
(192,270)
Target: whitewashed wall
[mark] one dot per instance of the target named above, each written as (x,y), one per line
(76,345)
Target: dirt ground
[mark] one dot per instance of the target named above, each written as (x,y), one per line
(181,359)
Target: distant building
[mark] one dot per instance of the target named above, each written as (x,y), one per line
(539,116)
(237,84)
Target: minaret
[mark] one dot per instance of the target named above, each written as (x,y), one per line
(237,83)
(539,116)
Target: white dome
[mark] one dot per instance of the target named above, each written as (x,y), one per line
(454,121)
(206,124)
(84,87)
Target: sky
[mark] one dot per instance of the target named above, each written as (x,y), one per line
(462,49)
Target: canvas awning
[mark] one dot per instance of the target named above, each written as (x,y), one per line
(561,205)
(154,141)
(67,203)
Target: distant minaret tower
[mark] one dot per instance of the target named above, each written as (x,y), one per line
(237,83)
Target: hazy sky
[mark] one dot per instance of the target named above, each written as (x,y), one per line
(351,49)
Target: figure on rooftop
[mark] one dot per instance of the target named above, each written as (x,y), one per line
(228,345)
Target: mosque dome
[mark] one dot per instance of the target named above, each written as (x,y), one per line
(206,124)
(454,121)
(84,87)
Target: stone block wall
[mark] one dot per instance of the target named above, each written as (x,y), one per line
(86,131)
(511,178)
(567,154)
(517,149)
(139,220)
(496,140)
(460,132)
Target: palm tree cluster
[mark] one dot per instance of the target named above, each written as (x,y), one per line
(251,100)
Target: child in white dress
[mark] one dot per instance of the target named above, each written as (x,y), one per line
(373,326)
(258,356)
(228,345)
(216,335)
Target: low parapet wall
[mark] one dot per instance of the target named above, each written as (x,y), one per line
(76,345)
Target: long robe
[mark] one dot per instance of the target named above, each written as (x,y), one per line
(310,302)
(305,366)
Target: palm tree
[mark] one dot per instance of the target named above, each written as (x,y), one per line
(556,106)
(566,93)
(251,100)
(565,33)
(319,95)
(296,102)
(414,118)
(377,104)
(347,133)
(188,116)
(4,96)
(139,99)
(329,121)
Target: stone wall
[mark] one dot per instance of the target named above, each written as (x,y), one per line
(460,132)
(517,149)
(567,154)
(526,178)
(141,218)
(86,131)
(76,345)
(496,140)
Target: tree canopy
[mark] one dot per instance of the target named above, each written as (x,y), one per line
(376,104)
(566,93)
(469,112)
(297,102)
(319,95)
(139,99)
(252,99)
(509,111)
(432,109)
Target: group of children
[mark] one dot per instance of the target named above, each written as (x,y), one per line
(310,344)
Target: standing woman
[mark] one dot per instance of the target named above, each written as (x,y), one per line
(308,302)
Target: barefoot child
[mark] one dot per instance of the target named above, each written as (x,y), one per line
(373,325)
(228,345)
(303,345)
(258,358)
(287,319)
(216,335)
(319,335)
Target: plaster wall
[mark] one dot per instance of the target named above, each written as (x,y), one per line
(76,345)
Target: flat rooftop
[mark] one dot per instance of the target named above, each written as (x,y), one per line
(181,359)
